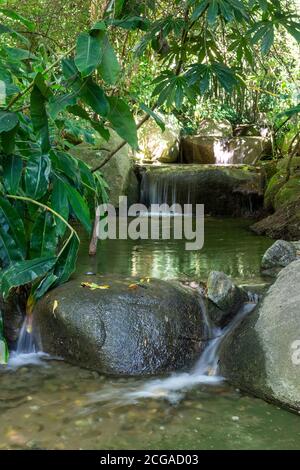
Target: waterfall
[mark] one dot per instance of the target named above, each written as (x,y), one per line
(222,152)
(26,351)
(205,371)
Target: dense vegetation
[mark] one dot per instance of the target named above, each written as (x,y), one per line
(70,71)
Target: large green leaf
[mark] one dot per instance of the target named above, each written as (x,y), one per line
(93,95)
(59,203)
(24,272)
(109,67)
(88,53)
(39,118)
(43,286)
(79,207)
(122,121)
(37,174)
(66,263)
(8,121)
(12,234)
(66,165)
(8,140)
(12,172)
(78,111)
(17,17)
(43,239)
(59,103)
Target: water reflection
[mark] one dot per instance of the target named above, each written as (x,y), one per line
(229,246)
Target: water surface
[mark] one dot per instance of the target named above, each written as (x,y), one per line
(53,405)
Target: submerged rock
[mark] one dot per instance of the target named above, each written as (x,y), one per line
(225,296)
(126,328)
(278,256)
(262,355)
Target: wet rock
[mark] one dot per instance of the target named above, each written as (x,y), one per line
(210,127)
(262,355)
(13,313)
(224,190)
(278,256)
(128,328)
(236,150)
(225,298)
(283,224)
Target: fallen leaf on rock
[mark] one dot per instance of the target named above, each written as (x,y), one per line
(93,286)
(55,305)
(133,286)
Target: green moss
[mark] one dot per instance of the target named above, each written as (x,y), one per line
(275,184)
(288,193)
(295,165)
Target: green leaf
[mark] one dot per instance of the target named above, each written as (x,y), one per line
(12,226)
(212,11)
(290,112)
(24,272)
(225,76)
(66,165)
(8,140)
(60,204)
(12,172)
(44,285)
(13,15)
(109,68)
(154,115)
(88,53)
(78,111)
(37,176)
(199,10)
(43,236)
(59,103)
(42,86)
(122,121)
(93,95)
(79,207)
(267,40)
(66,263)
(12,234)
(8,121)
(39,118)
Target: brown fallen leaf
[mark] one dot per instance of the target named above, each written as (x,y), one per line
(133,286)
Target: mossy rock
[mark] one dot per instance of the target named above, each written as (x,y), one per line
(294,168)
(275,184)
(270,168)
(288,193)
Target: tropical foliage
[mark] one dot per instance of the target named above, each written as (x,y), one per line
(70,71)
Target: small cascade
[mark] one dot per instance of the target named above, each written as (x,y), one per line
(222,152)
(205,371)
(26,351)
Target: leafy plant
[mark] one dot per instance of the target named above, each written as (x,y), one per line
(42,186)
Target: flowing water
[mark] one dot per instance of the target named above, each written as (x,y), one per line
(48,404)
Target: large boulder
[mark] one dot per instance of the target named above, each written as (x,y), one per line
(127,327)
(210,127)
(157,145)
(219,150)
(225,297)
(118,172)
(262,355)
(225,191)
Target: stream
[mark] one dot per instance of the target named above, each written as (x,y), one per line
(46,403)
